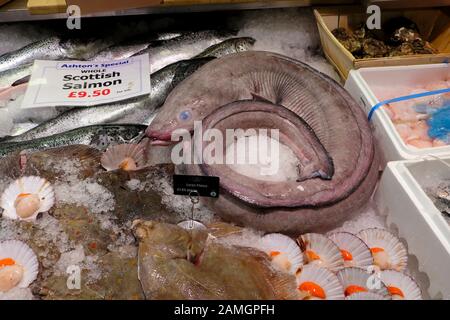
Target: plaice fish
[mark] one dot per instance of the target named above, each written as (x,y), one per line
(177,264)
(186,46)
(128,48)
(53,48)
(137,110)
(228,46)
(99,136)
(335,118)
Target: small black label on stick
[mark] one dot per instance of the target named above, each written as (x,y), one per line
(203,186)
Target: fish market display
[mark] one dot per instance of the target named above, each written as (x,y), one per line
(338,167)
(98,136)
(177,264)
(136,110)
(400,37)
(53,48)
(79,187)
(420,122)
(165,52)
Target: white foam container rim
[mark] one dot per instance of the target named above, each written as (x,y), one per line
(361,90)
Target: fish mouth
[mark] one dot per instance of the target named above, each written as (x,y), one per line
(164,138)
(158,138)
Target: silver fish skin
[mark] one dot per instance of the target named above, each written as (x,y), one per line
(98,136)
(139,110)
(9,77)
(128,48)
(53,48)
(187,46)
(228,46)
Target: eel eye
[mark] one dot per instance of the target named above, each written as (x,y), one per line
(185,115)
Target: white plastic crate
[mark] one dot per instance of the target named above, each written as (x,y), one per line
(401,197)
(360,84)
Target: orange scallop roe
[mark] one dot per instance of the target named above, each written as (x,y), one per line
(7,262)
(274,253)
(128,164)
(313,289)
(376,250)
(346,255)
(312,255)
(396,291)
(354,289)
(22,195)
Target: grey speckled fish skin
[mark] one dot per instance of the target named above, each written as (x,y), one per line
(100,137)
(177,264)
(187,46)
(11,76)
(128,48)
(53,48)
(336,119)
(229,46)
(139,110)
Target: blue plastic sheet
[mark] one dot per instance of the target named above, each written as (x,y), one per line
(439,124)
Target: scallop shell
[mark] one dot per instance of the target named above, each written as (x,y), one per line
(324,279)
(395,280)
(355,279)
(354,251)
(367,296)
(394,254)
(284,252)
(320,250)
(32,186)
(23,256)
(127,157)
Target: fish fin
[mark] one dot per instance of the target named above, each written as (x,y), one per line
(23,80)
(80,152)
(324,171)
(284,286)
(5,139)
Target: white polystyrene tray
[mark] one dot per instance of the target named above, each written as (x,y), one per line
(359,84)
(401,197)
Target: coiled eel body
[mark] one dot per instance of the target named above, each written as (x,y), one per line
(312,203)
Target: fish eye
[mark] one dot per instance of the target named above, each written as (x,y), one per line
(185,115)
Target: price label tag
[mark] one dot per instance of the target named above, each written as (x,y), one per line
(203,186)
(86,83)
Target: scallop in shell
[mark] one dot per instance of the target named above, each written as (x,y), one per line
(355,280)
(128,157)
(400,285)
(354,251)
(387,250)
(283,252)
(26,197)
(18,265)
(317,283)
(318,249)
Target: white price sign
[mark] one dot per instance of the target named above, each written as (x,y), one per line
(86,83)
